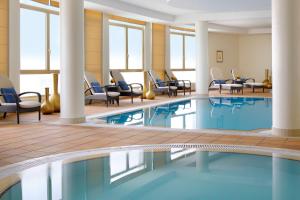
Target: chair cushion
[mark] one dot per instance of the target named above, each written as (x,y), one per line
(254,84)
(30,104)
(137,91)
(219,82)
(113,94)
(230,86)
(97,87)
(160,83)
(123,85)
(9,95)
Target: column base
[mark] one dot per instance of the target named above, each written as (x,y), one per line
(72,120)
(286,132)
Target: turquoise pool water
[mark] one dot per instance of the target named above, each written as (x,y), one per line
(176,174)
(212,113)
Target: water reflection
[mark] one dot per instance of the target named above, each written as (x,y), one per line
(213,113)
(177,174)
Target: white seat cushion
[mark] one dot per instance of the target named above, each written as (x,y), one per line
(137,91)
(167,87)
(254,84)
(113,94)
(29,104)
(229,86)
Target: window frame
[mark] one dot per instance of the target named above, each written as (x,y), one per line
(126,27)
(173,31)
(129,170)
(48,69)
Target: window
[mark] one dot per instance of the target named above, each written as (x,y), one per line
(40,47)
(33,40)
(126,43)
(176,54)
(117,47)
(54,42)
(182,50)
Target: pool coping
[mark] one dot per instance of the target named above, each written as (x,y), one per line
(92,123)
(16,168)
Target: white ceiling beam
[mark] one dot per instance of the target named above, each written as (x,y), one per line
(191,18)
(124,9)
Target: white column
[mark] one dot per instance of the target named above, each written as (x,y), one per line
(202,74)
(286,67)
(105,49)
(167,51)
(148,46)
(14,43)
(147,54)
(72,61)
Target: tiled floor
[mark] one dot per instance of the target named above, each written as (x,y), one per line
(31,140)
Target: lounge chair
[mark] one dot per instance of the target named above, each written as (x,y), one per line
(94,91)
(11,102)
(184,85)
(219,82)
(245,81)
(160,86)
(130,90)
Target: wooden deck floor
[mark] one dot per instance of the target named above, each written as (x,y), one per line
(34,139)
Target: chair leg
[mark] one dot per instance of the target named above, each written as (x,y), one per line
(40,114)
(131,98)
(18,117)
(90,101)
(118,101)
(4,115)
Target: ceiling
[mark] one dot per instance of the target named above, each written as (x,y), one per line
(235,15)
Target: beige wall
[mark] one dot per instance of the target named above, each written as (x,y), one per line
(158,48)
(255,55)
(228,43)
(93,43)
(4,37)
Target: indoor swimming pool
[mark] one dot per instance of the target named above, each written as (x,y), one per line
(232,113)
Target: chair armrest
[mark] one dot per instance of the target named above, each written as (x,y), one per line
(211,83)
(36,93)
(88,90)
(140,85)
(229,80)
(250,79)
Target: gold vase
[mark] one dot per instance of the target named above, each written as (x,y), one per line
(145,89)
(266,81)
(55,98)
(47,108)
(150,94)
(269,85)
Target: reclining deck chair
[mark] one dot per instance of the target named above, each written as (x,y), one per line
(160,86)
(254,85)
(184,85)
(219,82)
(11,102)
(129,90)
(108,93)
